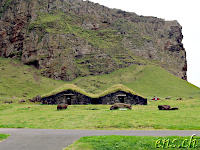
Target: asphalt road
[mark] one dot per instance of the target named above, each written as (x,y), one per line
(57,139)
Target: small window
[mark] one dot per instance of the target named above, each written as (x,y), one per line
(68,98)
(121,98)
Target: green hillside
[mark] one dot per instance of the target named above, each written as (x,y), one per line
(18,81)
(146,80)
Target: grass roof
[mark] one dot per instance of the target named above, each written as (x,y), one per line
(112,89)
(66,87)
(118,87)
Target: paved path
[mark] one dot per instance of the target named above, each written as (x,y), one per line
(57,139)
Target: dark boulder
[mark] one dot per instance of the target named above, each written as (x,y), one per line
(120,105)
(62,106)
(166,107)
(8,102)
(22,101)
(174,108)
(36,99)
(163,107)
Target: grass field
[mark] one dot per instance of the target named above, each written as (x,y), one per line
(3,136)
(134,142)
(101,118)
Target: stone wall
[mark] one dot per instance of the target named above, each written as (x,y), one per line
(128,99)
(72,97)
(67,97)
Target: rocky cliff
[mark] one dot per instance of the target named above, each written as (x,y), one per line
(66,39)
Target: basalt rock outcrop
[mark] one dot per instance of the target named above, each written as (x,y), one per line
(66,39)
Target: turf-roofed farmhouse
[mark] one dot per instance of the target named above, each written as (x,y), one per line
(67,97)
(121,96)
(115,94)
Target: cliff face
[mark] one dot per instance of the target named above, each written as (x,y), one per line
(66,39)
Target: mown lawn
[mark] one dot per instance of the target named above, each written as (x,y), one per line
(135,143)
(3,136)
(101,118)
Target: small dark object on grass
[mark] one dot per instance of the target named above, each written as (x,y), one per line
(179,99)
(62,106)
(167,107)
(21,101)
(8,102)
(92,109)
(29,107)
(168,97)
(36,99)
(155,99)
(120,105)
(163,107)
(174,108)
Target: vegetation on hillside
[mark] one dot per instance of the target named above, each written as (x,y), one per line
(147,80)
(70,39)
(108,41)
(20,81)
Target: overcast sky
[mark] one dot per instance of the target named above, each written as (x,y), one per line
(186,12)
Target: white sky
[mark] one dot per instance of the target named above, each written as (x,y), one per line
(186,12)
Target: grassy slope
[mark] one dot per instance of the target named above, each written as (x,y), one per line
(20,81)
(23,82)
(146,80)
